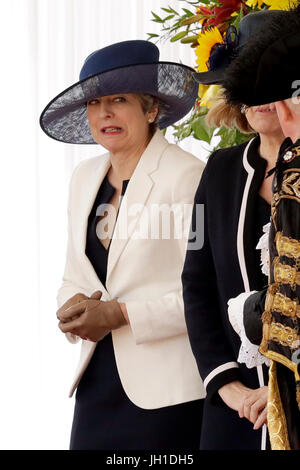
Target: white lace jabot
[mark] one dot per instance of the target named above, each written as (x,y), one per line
(263,246)
(249,353)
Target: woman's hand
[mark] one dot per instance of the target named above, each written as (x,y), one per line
(72,301)
(254,407)
(249,403)
(92,318)
(233,394)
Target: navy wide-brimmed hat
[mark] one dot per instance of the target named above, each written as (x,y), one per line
(222,54)
(268,69)
(124,67)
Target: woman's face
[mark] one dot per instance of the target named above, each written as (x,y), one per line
(118,123)
(263,119)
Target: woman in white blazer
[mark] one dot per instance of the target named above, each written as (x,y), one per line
(137,382)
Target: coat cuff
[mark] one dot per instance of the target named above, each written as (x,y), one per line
(157,319)
(222,375)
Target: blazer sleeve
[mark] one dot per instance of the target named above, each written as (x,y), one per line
(162,318)
(213,353)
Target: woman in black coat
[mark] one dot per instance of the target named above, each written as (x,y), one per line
(236,200)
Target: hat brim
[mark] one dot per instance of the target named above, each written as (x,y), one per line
(65,117)
(210,78)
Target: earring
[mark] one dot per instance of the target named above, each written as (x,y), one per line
(150,120)
(243,109)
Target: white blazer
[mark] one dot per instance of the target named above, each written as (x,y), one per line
(153,354)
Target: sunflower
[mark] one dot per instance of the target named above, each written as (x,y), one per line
(280,4)
(253,3)
(206,41)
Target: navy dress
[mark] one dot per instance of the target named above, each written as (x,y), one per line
(104,417)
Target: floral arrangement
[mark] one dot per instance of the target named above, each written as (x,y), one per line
(202,25)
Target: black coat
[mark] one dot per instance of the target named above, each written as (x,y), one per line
(225,266)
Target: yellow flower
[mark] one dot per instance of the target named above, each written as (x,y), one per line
(280,4)
(206,41)
(210,95)
(202,90)
(253,3)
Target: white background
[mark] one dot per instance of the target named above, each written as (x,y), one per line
(43,45)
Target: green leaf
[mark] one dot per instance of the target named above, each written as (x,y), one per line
(173,11)
(189,39)
(200,130)
(182,132)
(169,17)
(188,12)
(230,137)
(238,18)
(151,35)
(191,20)
(178,36)
(157,19)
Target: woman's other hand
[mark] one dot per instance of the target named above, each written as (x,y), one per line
(254,407)
(250,404)
(72,301)
(92,318)
(233,394)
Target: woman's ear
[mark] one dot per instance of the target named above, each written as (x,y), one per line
(283,110)
(285,116)
(152,115)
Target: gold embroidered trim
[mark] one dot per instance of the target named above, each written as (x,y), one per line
(286,306)
(283,304)
(275,414)
(285,274)
(267,317)
(277,332)
(287,246)
(291,183)
(290,189)
(274,356)
(284,335)
(271,292)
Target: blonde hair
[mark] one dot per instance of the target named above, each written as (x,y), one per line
(224,114)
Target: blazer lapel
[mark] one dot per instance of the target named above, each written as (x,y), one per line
(255,168)
(135,199)
(84,204)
